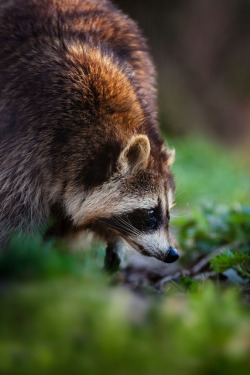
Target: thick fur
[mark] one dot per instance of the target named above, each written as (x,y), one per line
(79,137)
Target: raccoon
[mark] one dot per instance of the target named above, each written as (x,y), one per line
(79,136)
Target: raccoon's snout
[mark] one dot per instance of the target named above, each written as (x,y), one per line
(171,255)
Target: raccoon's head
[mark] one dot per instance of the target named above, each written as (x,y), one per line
(134,202)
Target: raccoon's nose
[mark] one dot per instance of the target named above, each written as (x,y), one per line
(171,255)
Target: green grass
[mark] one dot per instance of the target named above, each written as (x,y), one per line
(205,171)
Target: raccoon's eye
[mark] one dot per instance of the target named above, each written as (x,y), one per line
(151,214)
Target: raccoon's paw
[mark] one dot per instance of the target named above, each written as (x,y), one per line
(113,258)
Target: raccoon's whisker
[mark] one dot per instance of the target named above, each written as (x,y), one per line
(132,226)
(129,229)
(113,226)
(108,225)
(125,224)
(128,225)
(182,215)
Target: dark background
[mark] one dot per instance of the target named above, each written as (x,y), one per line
(201,49)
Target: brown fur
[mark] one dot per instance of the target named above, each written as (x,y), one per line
(76,85)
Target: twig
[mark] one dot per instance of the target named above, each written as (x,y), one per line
(196,269)
(177,275)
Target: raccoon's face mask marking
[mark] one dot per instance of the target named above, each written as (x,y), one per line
(146,230)
(136,222)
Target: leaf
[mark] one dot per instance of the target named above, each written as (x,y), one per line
(228,259)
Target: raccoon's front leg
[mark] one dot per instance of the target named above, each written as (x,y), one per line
(114,255)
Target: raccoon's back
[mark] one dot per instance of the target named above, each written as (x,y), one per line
(44,121)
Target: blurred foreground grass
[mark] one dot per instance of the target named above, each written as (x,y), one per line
(79,325)
(60,313)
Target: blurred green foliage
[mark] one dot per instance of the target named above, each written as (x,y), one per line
(29,258)
(78,324)
(205,171)
(229,259)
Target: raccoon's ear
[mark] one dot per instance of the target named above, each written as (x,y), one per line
(135,155)
(170,157)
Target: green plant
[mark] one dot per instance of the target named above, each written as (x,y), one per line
(211,227)
(229,259)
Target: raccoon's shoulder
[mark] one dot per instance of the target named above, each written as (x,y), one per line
(100,22)
(83,57)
